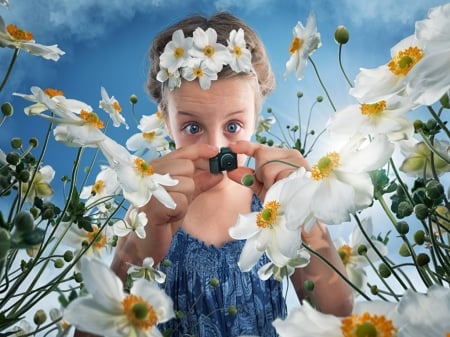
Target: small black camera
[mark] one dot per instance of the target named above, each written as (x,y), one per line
(224,161)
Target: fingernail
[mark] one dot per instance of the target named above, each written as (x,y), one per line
(247,179)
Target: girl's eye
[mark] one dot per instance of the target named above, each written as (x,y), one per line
(233,127)
(192,128)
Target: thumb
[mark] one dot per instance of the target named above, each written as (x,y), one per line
(246,176)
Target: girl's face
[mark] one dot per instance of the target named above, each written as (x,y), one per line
(222,114)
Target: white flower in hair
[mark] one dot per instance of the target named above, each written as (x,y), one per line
(197,68)
(176,53)
(173,78)
(206,48)
(241,58)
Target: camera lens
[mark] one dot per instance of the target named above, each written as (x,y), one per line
(227,161)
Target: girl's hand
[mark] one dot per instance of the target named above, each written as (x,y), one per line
(271,165)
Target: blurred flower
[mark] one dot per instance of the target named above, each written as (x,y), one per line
(241,59)
(264,124)
(41,185)
(339,184)
(280,273)
(417,160)
(426,82)
(376,318)
(146,271)
(113,108)
(106,186)
(63,326)
(306,40)
(23,328)
(373,85)
(134,222)
(206,49)
(108,311)
(12,36)
(4,3)
(268,230)
(173,78)
(353,261)
(426,314)
(384,117)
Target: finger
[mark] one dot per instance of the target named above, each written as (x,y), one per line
(245,147)
(194,152)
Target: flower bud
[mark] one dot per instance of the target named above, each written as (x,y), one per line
(24,222)
(166,263)
(34,142)
(270,142)
(384,270)
(13,158)
(16,143)
(247,180)
(68,255)
(299,94)
(402,227)
(421,211)
(179,314)
(269,110)
(362,249)
(7,109)
(232,310)
(419,237)
(214,282)
(308,285)
(23,176)
(404,250)
(434,190)
(404,209)
(418,125)
(59,263)
(133,99)
(445,101)
(5,243)
(78,277)
(341,34)
(319,99)
(374,290)
(422,259)
(40,317)
(431,124)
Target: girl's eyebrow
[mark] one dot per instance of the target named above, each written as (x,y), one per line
(191,114)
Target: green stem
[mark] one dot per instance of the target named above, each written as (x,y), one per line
(11,64)
(342,67)
(321,83)
(439,121)
(433,149)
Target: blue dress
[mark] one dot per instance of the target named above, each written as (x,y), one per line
(212,297)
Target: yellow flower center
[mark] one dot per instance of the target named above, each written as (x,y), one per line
(345,251)
(296,45)
(144,168)
(403,62)
(19,34)
(159,115)
(98,187)
(209,51)
(268,215)
(198,72)
(53,92)
(116,106)
(149,135)
(178,52)
(325,166)
(92,118)
(373,109)
(99,240)
(140,314)
(237,51)
(367,325)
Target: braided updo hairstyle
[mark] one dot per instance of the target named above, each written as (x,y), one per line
(223,23)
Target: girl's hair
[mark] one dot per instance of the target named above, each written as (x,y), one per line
(223,23)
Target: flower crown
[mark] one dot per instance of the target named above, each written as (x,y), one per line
(202,57)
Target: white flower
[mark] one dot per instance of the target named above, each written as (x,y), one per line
(279,273)
(108,311)
(426,314)
(13,37)
(376,318)
(206,49)
(372,85)
(106,186)
(174,78)
(196,68)
(113,108)
(176,52)
(136,176)
(135,222)
(354,262)
(76,126)
(339,184)
(430,79)
(306,40)
(241,59)
(268,230)
(264,124)
(146,271)
(384,117)
(41,184)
